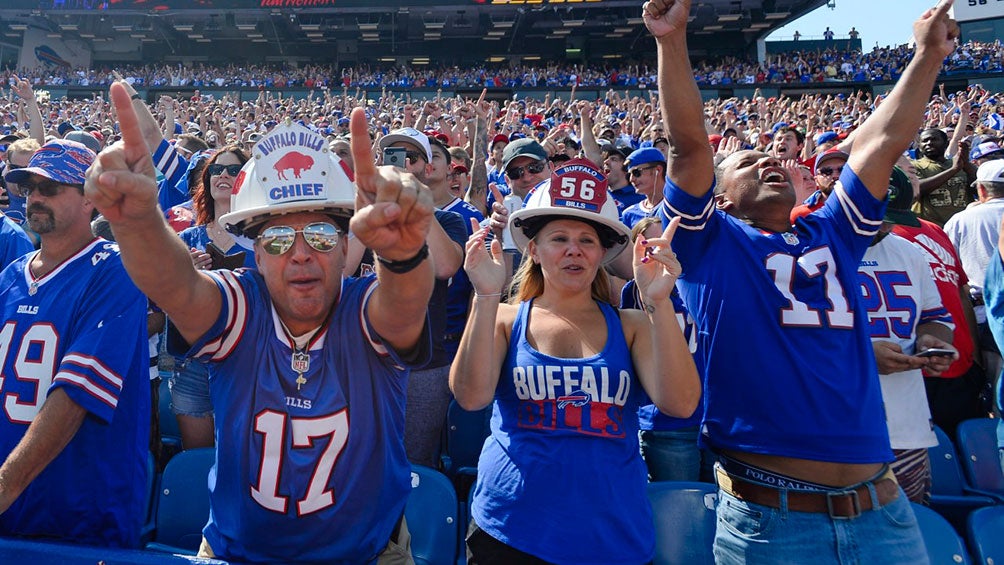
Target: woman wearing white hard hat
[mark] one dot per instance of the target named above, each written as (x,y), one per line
(561,479)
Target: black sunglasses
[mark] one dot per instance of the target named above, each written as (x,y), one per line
(636,172)
(217,169)
(516,173)
(46,188)
(827,171)
(415,156)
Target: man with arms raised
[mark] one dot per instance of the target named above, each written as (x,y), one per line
(793,401)
(306,369)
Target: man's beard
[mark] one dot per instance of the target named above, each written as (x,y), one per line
(40,219)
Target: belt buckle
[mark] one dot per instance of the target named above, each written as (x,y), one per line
(854,497)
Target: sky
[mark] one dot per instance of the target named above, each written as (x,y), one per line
(887,22)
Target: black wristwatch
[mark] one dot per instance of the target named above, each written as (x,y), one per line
(405,265)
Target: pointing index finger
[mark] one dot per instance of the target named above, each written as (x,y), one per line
(671,229)
(482,97)
(132,136)
(942,7)
(362,150)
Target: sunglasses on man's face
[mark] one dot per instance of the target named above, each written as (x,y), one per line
(516,173)
(636,173)
(217,169)
(320,236)
(828,171)
(46,188)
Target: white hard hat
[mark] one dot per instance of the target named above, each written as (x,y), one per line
(576,190)
(291,170)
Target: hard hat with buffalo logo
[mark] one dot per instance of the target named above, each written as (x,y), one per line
(576,190)
(291,170)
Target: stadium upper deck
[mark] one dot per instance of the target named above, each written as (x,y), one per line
(351,31)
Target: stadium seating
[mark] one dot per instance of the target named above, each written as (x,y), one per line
(431,514)
(465,436)
(20,551)
(183,502)
(950,495)
(980,457)
(944,546)
(684,515)
(986,535)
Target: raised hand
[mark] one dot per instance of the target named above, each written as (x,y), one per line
(666,17)
(122,181)
(393,209)
(485,268)
(22,88)
(655,265)
(935,31)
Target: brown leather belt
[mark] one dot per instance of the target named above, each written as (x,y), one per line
(845,503)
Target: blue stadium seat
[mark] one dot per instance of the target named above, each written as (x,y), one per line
(34,552)
(980,457)
(183,504)
(986,534)
(684,515)
(944,546)
(950,495)
(465,436)
(431,514)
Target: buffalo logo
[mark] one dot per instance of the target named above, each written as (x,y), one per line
(578,399)
(48,56)
(295,161)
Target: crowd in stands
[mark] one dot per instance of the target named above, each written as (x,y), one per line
(828,65)
(533,191)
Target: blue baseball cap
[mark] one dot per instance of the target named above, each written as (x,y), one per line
(644,156)
(826,137)
(986,149)
(60,160)
(64,127)
(778,126)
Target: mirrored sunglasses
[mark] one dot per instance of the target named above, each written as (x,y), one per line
(320,236)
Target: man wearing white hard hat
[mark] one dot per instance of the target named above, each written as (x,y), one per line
(307,369)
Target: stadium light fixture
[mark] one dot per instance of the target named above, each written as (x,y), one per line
(122,28)
(496,33)
(18,27)
(713,27)
(69,27)
(573,23)
(635,21)
(623,29)
(730,17)
(777,15)
(184,27)
(368,26)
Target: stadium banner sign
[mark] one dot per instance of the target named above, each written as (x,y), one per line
(39,49)
(969,10)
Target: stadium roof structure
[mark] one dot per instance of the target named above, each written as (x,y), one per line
(411,31)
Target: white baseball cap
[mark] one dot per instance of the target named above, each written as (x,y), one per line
(991,171)
(411,136)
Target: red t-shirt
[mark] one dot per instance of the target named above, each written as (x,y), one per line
(946,268)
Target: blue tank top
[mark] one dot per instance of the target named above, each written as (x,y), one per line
(561,476)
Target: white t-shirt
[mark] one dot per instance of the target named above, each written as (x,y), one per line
(974,233)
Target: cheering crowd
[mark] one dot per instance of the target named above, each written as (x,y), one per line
(824,65)
(776,294)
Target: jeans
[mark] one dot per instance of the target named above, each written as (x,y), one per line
(752,533)
(673,455)
(190,389)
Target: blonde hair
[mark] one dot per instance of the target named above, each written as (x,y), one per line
(528,282)
(641,226)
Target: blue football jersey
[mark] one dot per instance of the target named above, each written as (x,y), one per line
(790,368)
(311,472)
(13,241)
(458,296)
(80,328)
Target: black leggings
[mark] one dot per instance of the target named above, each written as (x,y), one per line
(483,549)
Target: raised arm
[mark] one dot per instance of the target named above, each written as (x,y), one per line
(393,215)
(23,89)
(690,162)
(887,133)
(122,186)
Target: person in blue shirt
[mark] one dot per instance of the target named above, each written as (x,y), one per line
(308,370)
(561,479)
(794,408)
